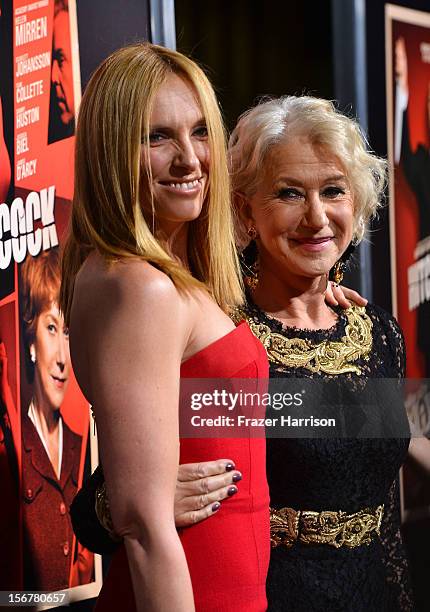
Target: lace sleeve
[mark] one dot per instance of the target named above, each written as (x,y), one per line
(397,573)
(389,342)
(399,348)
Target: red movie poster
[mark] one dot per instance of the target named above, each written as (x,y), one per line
(46,440)
(408,129)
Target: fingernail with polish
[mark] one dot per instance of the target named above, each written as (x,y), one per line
(216,506)
(231,491)
(229,467)
(237,477)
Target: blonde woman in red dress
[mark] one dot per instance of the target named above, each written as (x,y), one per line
(149,272)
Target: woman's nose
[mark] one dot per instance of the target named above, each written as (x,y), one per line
(186,156)
(62,351)
(316,213)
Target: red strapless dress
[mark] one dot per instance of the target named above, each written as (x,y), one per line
(227,554)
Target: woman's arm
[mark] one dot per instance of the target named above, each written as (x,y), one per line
(200,489)
(135,339)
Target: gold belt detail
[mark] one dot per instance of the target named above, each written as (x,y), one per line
(103,511)
(337,529)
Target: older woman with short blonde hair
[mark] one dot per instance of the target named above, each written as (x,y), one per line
(318,120)
(305,187)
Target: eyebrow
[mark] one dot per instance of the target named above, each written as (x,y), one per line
(50,316)
(159,126)
(295,181)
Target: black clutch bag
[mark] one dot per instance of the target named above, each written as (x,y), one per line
(86,525)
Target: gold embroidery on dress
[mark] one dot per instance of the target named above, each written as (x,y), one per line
(328,356)
(337,529)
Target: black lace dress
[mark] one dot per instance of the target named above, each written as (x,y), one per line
(345,473)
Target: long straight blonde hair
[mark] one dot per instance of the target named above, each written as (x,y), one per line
(107,212)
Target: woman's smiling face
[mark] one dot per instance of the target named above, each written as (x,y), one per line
(178,154)
(303,209)
(52,358)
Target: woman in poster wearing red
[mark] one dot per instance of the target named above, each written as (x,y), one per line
(50,449)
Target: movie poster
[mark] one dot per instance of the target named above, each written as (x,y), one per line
(408,130)
(46,441)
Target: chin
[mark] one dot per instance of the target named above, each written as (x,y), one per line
(56,398)
(187,213)
(56,402)
(307,267)
(312,271)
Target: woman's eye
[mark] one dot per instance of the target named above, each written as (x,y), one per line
(289,194)
(201,132)
(333,192)
(52,328)
(156,137)
(66,332)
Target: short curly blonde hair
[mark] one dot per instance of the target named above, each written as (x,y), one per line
(276,120)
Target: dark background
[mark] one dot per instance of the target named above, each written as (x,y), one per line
(258,48)
(106,25)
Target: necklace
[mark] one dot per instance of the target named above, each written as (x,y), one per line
(328,356)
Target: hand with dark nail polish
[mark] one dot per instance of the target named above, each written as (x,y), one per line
(237,477)
(216,506)
(231,491)
(229,467)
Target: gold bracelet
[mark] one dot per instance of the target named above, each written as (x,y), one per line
(103,512)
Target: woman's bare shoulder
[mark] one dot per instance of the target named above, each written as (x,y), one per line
(128,301)
(124,311)
(130,282)
(97,275)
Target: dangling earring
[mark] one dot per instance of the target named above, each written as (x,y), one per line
(252,279)
(33,354)
(338,270)
(251,270)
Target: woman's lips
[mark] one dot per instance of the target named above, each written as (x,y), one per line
(184,188)
(58,382)
(313,244)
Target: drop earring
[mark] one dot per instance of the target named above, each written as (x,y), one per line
(251,280)
(338,270)
(252,268)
